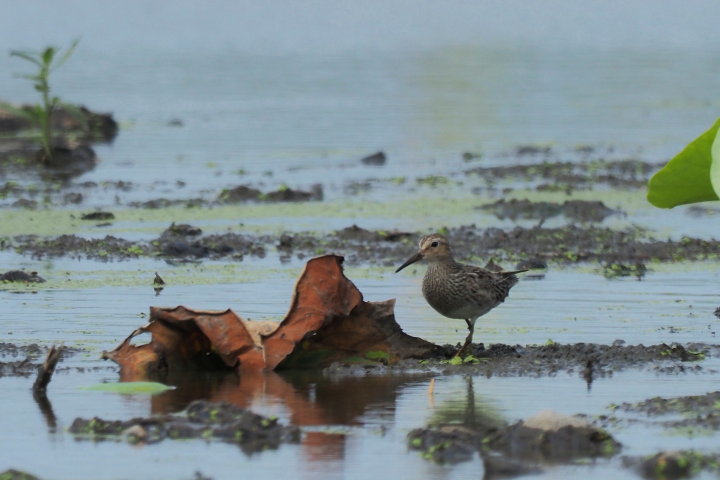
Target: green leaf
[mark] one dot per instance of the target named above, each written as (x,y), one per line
(26,76)
(455,361)
(127,388)
(47,55)
(30,57)
(715,165)
(67,54)
(687,177)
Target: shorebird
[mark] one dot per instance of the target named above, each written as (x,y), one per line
(456,290)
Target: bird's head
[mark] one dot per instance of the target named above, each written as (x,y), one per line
(433,247)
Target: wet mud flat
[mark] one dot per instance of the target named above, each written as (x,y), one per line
(525,247)
(587,360)
(536,444)
(564,231)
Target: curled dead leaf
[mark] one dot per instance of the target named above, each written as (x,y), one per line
(328,321)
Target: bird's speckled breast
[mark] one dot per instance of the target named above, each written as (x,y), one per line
(443,290)
(459,291)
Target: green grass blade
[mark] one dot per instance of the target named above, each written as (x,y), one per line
(66,55)
(26,56)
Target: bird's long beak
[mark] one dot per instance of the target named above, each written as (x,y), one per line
(410,261)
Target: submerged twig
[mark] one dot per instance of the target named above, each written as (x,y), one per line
(46,370)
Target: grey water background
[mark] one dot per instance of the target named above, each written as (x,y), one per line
(264,85)
(302,90)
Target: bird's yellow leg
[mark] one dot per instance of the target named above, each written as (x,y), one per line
(468,339)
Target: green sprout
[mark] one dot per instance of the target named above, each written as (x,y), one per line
(46,62)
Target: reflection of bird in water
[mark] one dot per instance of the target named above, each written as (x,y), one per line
(456,290)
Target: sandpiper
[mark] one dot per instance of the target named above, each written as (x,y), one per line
(456,290)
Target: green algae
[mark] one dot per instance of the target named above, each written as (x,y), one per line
(258,217)
(443,209)
(377,356)
(208,273)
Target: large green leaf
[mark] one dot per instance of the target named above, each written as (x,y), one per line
(715,165)
(687,177)
(130,387)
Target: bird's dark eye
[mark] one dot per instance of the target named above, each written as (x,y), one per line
(434,244)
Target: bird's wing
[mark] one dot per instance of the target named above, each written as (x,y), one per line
(494,284)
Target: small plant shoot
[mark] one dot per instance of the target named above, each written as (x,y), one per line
(47,61)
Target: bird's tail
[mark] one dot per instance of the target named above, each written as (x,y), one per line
(513,272)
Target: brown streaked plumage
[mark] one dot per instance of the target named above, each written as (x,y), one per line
(456,290)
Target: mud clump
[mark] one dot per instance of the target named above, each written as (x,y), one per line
(98,216)
(13,474)
(568,176)
(244,193)
(107,248)
(241,193)
(181,242)
(699,405)
(20,276)
(550,437)
(221,421)
(291,195)
(577,210)
(523,150)
(158,203)
(79,121)
(376,159)
(674,464)
(451,444)
(358,234)
(183,230)
(523,447)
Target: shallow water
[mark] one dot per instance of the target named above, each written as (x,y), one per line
(343,437)
(275,94)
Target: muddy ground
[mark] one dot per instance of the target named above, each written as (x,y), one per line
(587,360)
(621,252)
(582,238)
